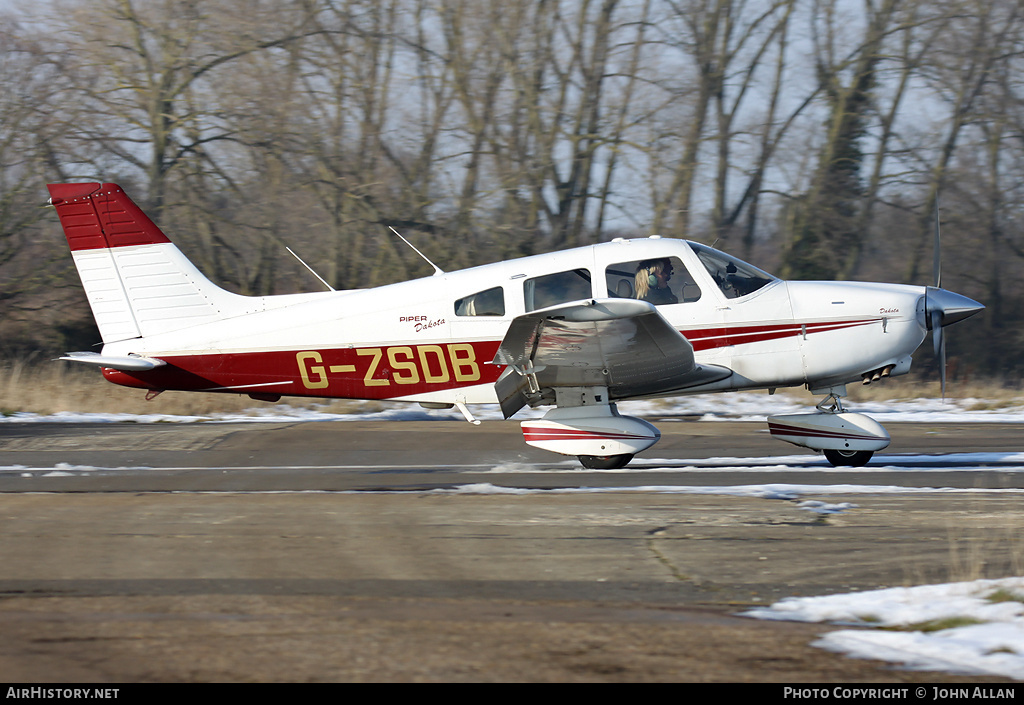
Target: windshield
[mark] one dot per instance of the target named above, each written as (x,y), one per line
(733,276)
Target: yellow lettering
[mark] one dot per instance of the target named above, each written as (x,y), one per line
(319,381)
(368,379)
(413,374)
(438,354)
(464,362)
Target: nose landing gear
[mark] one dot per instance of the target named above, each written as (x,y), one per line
(847,439)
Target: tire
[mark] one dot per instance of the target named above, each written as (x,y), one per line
(605,462)
(848,458)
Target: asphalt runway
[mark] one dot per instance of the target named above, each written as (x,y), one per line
(436,551)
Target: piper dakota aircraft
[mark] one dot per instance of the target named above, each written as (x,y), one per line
(577,330)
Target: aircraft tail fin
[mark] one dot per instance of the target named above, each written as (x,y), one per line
(137,281)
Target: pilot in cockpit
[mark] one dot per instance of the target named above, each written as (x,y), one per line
(652,277)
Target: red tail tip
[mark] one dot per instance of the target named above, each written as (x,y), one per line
(98,216)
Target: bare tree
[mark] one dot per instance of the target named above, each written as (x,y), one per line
(730,101)
(825,227)
(144,64)
(41,303)
(567,116)
(982,36)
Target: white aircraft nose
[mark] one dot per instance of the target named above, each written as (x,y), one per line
(944,307)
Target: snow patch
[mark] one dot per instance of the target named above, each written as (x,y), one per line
(985,635)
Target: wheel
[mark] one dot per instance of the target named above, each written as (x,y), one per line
(849,458)
(605,462)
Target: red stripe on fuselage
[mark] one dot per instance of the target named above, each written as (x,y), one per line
(711,338)
(381,372)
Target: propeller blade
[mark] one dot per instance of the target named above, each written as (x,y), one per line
(942,365)
(942,308)
(939,345)
(936,326)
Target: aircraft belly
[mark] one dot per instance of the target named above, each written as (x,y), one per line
(780,368)
(475,394)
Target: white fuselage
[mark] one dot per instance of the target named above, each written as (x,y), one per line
(433,339)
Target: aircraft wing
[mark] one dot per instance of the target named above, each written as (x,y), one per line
(622,344)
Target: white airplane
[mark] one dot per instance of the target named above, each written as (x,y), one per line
(578,330)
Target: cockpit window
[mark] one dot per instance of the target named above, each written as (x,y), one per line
(490,302)
(660,280)
(734,277)
(558,288)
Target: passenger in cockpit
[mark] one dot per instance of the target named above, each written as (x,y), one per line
(652,277)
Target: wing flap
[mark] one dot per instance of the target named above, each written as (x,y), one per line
(622,344)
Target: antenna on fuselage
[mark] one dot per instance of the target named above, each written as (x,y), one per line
(437,270)
(311,271)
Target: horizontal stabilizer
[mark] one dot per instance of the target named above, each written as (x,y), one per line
(130,363)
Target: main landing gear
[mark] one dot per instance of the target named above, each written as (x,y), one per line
(595,433)
(848,458)
(847,439)
(605,462)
